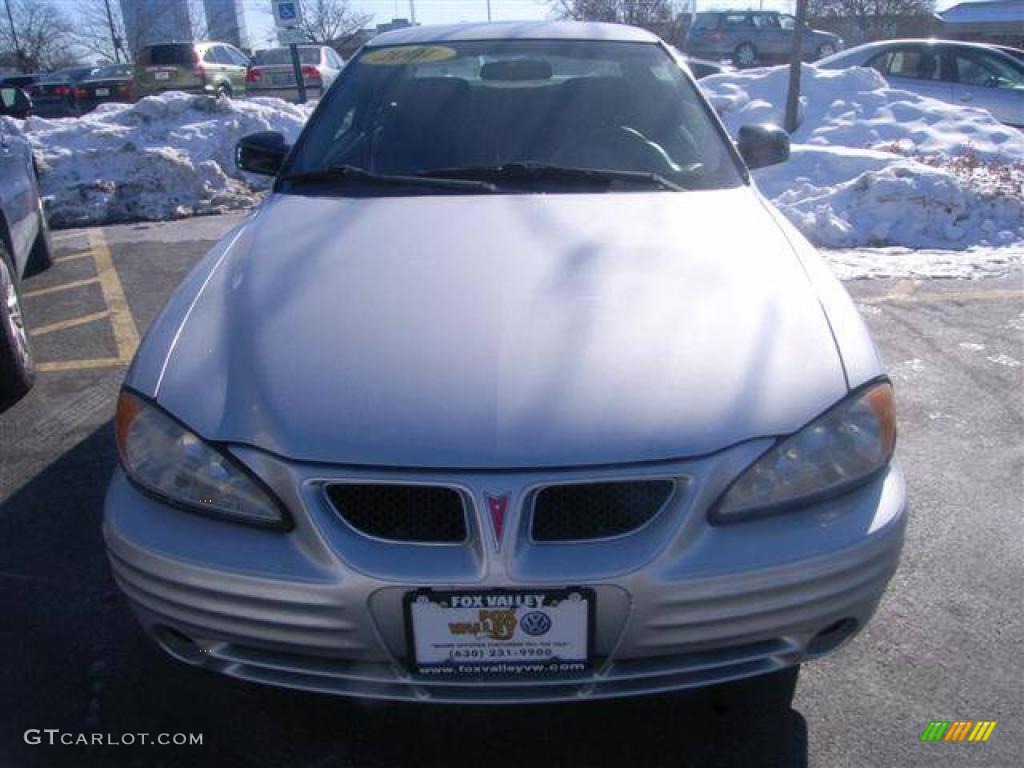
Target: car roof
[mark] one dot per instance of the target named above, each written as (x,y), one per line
(921,41)
(513,30)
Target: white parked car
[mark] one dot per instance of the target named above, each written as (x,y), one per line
(514,389)
(969,74)
(272,72)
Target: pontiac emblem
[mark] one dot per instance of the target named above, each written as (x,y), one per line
(497,506)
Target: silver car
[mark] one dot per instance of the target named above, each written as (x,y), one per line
(495,400)
(968,74)
(750,38)
(272,72)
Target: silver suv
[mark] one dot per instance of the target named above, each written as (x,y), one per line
(750,38)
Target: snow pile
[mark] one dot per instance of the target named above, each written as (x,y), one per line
(873,166)
(165,157)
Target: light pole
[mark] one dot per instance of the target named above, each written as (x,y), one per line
(113,35)
(488,10)
(14,37)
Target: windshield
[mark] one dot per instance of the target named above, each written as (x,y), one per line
(465,106)
(276,56)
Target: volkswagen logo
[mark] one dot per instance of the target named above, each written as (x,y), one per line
(535,623)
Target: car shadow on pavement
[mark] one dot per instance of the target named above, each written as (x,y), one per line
(74,660)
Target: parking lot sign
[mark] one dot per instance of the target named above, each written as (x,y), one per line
(286,13)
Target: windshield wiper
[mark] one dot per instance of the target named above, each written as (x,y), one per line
(336,173)
(544,172)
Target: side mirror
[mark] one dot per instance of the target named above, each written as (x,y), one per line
(14,102)
(261,153)
(762,145)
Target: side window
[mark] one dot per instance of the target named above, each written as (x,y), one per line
(915,63)
(980,69)
(213,55)
(786,21)
(238,58)
(881,62)
(765,21)
(736,20)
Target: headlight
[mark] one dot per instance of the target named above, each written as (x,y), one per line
(842,448)
(166,459)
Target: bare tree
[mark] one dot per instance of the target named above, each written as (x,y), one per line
(871,17)
(640,13)
(39,34)
(331,22)
(99,35)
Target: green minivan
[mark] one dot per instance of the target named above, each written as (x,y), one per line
(217,69)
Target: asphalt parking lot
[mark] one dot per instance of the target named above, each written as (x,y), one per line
(946,644)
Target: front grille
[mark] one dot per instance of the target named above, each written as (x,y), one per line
(596,510)
(419,513)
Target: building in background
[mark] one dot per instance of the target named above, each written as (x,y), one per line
(996,21)
(155,21)
(225,22)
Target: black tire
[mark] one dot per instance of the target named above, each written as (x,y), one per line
(756,695)
(745,55)
(17,369)
(223,91)
(40,258)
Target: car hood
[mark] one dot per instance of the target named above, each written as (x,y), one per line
(503,331)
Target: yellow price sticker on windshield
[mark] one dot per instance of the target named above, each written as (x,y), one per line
(408,54)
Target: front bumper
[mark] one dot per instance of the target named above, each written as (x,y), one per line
(680,603)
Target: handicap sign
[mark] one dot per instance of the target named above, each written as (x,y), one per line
(286,12)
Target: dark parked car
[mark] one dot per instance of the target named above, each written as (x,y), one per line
(216,69)
(54,94)
(751,38)
(106,84)
(20,81)
(24,249)
(14,102)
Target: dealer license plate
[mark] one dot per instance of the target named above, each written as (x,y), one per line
(102,91)
(162,75)
(514,633)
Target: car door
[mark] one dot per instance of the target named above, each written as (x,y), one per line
(915,68)
(987,81)
(772,39)
(239,65)
(17,194)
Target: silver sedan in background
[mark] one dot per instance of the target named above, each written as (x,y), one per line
(493,401)
(272,72)
(967,74)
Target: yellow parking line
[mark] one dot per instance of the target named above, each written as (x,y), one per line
(126,335)
(73,257)
(58,288)
(78,365)
(73,322)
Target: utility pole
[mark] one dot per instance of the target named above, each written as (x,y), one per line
(113,34)
(14,37)
(488,10)
(795,61)
(412,12)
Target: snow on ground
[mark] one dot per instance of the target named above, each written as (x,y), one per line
(165,157)
(871,167)
(876,166)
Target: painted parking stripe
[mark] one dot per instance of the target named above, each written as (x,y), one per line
(74,322)
(78,365)
(58,288)
(73,257)
(126,334)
